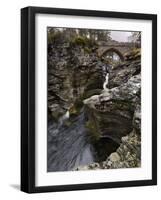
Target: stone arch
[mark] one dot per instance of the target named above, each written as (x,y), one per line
(115,51)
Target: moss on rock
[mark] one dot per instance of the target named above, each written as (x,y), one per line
(95,135)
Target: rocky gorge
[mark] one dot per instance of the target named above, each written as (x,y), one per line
(94,108)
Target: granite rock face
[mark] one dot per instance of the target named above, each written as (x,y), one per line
(116,114)
(76,78)
(73,73)
(126,156)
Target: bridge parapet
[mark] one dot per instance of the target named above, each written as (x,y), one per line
(120,48)
(114,43)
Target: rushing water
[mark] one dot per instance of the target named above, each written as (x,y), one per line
(106,82)
(69,144)
(69,147)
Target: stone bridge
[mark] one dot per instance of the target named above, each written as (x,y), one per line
(120,48)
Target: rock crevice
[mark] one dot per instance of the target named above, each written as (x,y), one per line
(111,105)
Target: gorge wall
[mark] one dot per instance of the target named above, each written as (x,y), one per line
(106,121)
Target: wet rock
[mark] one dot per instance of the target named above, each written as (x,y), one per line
(123,72)
(114,157)
(137,118)
(116,113)
(73,73)
(75,80)
(128,155)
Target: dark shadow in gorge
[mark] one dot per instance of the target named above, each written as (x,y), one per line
(71,145)
(104,147)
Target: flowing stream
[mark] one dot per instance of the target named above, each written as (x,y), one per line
(69,146)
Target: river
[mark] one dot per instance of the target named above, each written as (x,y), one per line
(70,146)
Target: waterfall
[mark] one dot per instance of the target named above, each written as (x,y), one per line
(106,82)
(64,117)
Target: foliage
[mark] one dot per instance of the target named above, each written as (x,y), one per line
(76,108)
(76,36)
(95,135)
(134,54)
(135,37)
(83,41)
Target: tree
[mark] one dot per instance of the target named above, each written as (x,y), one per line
(55,34)
(103,35)
(135,37)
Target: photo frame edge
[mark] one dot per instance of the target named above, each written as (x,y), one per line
(28,99)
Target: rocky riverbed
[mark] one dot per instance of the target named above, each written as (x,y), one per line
(94,114)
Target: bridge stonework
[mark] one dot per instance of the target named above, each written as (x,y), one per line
(120,48)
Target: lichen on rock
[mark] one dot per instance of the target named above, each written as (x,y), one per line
(94,103)
(128,155)
(117,113)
